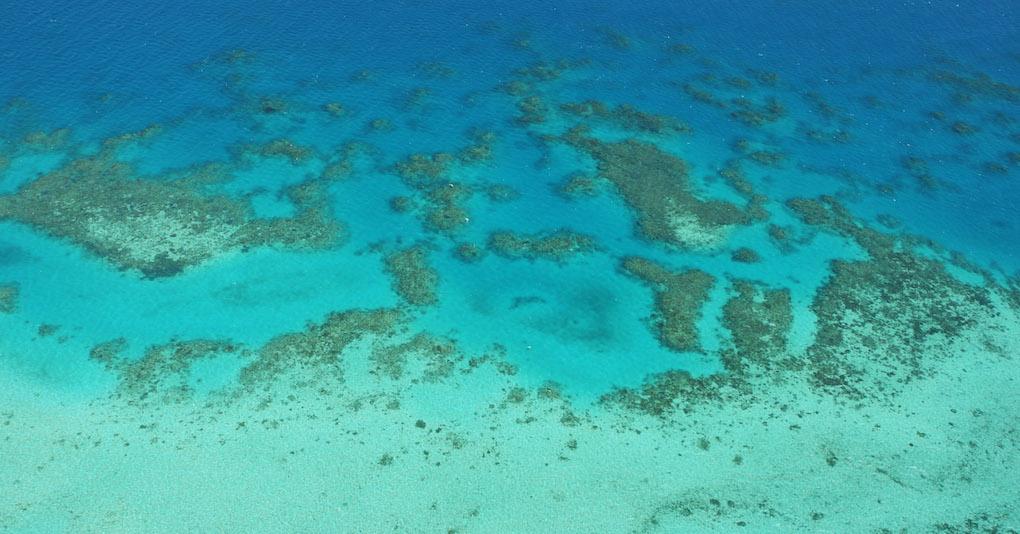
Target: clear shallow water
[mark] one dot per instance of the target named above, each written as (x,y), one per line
(325,332)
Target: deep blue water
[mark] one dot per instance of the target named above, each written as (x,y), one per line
(67,56)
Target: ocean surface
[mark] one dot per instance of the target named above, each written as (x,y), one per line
(528,266)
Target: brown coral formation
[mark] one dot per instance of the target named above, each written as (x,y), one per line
(579,186)
(679,299)
(158,226)
(541,71)
(438,358)
(759,321)
(442,209)
(745,255)
(978,84)
(336,109)
(501,193)
(660,394)
(413,278)
(9,297)
(882,320)
(655,184)
(533,110)
(480,149)
(44,141)
(468,252)
(319,347)
(420,170)
(162,372)
(757,115)
(627,117)
(281,148)
(734,176)
(558,245)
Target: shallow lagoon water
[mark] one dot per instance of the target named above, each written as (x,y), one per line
(524,267)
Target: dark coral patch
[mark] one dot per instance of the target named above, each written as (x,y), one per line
(413,278)
(557,245)
(679,299)
(656,186)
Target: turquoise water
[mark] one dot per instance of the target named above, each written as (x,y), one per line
(521,267)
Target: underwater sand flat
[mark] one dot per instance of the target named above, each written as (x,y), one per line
(515,269)
(787,459)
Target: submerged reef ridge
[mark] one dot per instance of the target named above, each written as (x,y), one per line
(157,226)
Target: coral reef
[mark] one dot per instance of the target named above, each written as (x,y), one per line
(380,124)
(436,70)
(541,71)
(280,148)
(533,110)
(480,149)
(681,49)
(416,98)
(679,298)
(144,134)
(780,235)
(413,278)
(442,209)
(759,322)
(895,308)
(979,84)
(824,109)
(767,158)
(155,225)
(766,78)
(501,193)
(579,186)
(46,329)
(993,167)
(9,297)
(335,109)
(162,372)
(468,252)
(615,39)
(701,95)
(47,141)
(401,204)
(734,175)
(661,393)
(737,82)
(627,117)
(516,88)
(319,347)
(745,255)
(963,128)
(340,164)
(271,105)
(882,321)
(655,185)
(755,115)
(838,136)
(420,170)
(557,245)
(440,357)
